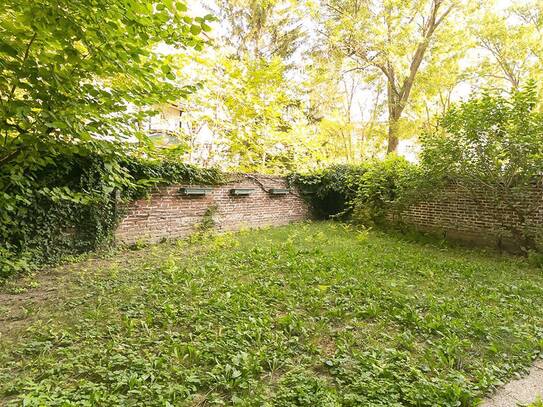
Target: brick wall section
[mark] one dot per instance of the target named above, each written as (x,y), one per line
(169,214)
(459,216)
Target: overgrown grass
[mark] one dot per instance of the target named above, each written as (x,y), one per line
(305,315)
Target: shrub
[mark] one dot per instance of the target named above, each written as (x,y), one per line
(364,193)
(330,190)
(492,146)
(70,205)
(384,189)
(69,71)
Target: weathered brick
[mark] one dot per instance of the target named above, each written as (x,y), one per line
(168,214)
(472,218)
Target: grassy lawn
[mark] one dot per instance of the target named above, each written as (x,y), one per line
(305,315)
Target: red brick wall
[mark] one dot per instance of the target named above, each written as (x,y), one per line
(169,214)
(458,215)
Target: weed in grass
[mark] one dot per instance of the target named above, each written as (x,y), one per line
(537,403)
(306,315)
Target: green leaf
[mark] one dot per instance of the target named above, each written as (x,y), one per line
(8,49)
(181,6)
(195,29)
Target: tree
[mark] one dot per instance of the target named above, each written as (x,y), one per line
(393,37)
(76,76)
(248,100)
(260,29)
(512,41)
(491,147)
(344,109)
(253,117)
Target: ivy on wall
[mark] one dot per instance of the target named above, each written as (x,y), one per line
(72,205)
(363,192)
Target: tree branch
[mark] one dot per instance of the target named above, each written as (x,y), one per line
(25,57)
(431,25)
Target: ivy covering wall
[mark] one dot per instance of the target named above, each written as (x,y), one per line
(364,192)
(72,205)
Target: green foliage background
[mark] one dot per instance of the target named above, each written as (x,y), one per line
(77,78)
(489,147)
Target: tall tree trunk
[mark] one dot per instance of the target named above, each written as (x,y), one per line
(398,97)
(395,109)
(393,123)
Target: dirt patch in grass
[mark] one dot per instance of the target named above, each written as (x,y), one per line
(25,299)
(20,299)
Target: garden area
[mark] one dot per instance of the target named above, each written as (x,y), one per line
(271,203)
(312,314)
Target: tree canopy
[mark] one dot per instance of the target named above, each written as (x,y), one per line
(358,79)
(78,75)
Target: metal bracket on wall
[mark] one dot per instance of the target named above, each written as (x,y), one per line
(241,191)
(188,191)
(279,191)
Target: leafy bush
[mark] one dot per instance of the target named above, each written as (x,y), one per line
(384,189)
(492,146)
(364,193)
(330,190)
(69,71)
